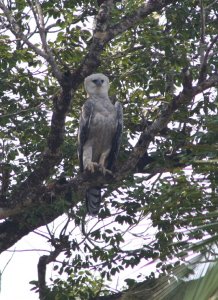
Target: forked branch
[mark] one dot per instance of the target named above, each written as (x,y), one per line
(16,30)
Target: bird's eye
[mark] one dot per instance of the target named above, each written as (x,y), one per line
(98,82)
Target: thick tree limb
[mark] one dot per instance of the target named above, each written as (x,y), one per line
(43,262)
(203,70)
(51,156)
(51,193)
(69,82)
(92,59)
(184,97)
(41,276)
(32,194)
(138,15)
(104,34)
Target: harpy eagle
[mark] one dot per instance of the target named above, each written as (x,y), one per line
(99,136)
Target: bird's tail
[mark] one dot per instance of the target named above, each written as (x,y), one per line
(93,200)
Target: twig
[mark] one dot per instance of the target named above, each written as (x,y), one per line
(211,4)
(13,252)
(21,111)
(29,250)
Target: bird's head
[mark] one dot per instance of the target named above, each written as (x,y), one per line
(97,84)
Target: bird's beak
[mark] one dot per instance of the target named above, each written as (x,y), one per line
(98,82)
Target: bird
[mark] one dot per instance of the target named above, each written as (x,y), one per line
(99,134)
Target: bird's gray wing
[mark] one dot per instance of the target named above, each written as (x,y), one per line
(93,195)
(117,137)
(84,124)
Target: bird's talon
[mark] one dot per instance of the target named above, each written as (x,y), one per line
(103,170)
(91,167)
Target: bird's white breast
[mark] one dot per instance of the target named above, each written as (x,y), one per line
(102,127)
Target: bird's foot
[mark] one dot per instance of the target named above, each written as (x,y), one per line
(91,166)
(103,170)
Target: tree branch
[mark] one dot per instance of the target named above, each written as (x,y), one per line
(16,30)
(52,193)
(203,70)
(30,189)
(44,260)
(31,192)
(162,120)
(51,156)
(99,40)
(202,30)
(48,195)
(104,34)
(27,192)
(48,51)
(138,15)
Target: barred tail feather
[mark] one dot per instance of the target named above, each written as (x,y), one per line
(93,200)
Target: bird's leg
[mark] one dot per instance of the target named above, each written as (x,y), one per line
(87,159)
(102,162)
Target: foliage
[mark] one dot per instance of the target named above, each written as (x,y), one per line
(161,204)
